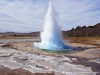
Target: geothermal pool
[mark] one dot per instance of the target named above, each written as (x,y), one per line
(51,37)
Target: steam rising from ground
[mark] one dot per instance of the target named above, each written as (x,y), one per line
(51,36)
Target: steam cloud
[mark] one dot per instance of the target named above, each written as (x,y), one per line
(51,37)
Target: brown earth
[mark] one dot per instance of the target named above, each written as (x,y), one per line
(84,50)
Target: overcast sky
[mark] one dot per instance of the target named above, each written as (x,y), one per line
(28,15)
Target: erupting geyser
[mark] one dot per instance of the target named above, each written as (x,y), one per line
(51,37)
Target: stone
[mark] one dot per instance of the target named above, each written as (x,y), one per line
(74,59)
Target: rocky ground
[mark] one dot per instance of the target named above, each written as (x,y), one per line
(8,71)
(19,57)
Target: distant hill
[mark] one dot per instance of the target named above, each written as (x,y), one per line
(15,34)
(90,31)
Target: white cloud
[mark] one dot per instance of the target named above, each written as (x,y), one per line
(28,15)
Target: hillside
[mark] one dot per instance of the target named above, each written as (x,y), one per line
(90,31)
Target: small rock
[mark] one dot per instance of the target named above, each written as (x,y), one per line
(2,45)
(74,59)
(42,67)
(5,54)
(21,58)
(67,59)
